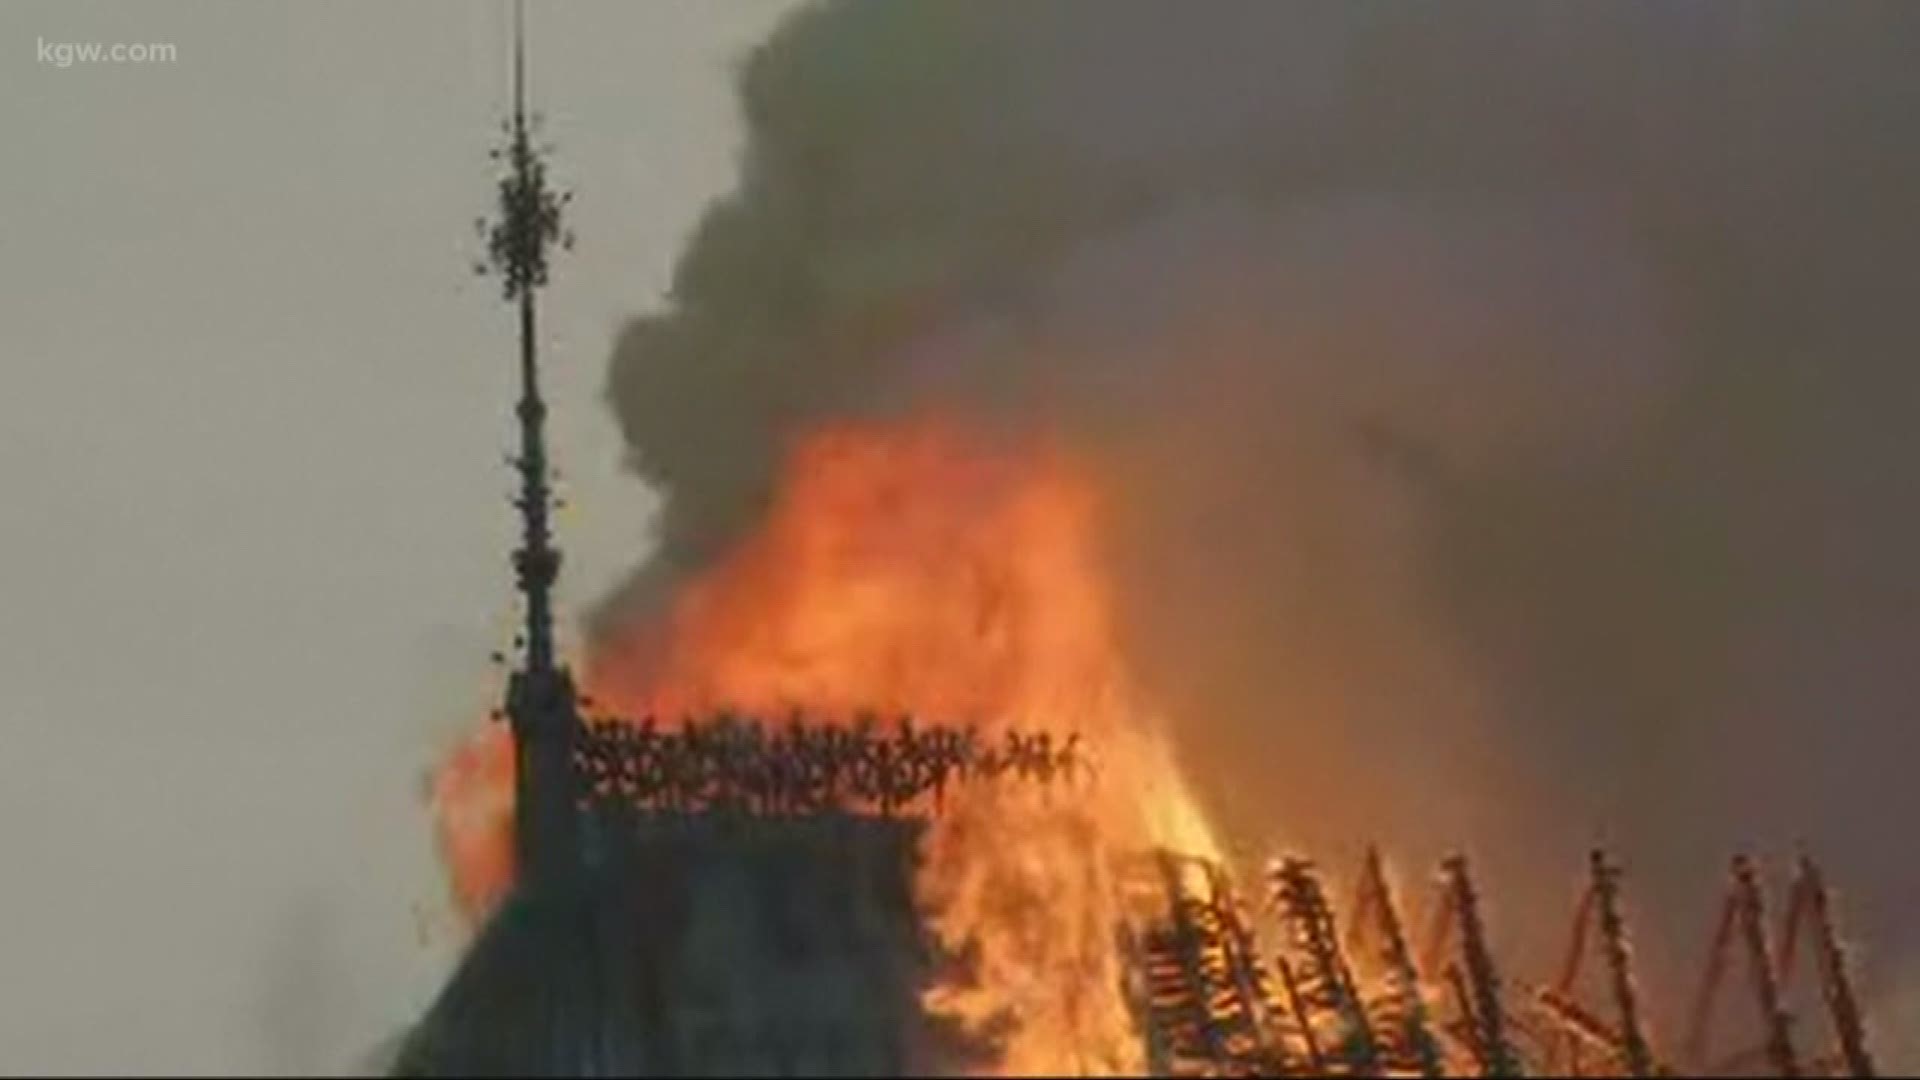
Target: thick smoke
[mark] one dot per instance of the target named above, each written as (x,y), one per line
(1508,406)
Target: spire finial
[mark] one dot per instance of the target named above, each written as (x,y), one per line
(519,65)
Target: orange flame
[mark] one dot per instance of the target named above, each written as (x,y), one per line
(472,797)
(921,569)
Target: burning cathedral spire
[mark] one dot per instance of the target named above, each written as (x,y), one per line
(696,894)
(541,703)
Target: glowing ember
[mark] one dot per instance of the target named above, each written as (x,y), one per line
(920,569)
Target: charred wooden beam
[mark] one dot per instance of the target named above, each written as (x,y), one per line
(1613,939)
(1701,1016)
(1836,987)
(1413,1036)
(1296,1004)
(1308,920)
(1482,980)
(1750,913)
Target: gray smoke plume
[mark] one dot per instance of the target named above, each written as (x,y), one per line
(1510,406)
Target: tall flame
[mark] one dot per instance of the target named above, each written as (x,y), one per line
(919,568)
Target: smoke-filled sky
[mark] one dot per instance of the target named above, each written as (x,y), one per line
(1508,404)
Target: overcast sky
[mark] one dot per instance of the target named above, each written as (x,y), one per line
(251,428)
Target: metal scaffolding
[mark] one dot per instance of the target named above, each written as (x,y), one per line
(1357,1003)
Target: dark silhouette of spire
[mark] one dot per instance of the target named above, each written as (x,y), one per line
(518,244)
(540,697)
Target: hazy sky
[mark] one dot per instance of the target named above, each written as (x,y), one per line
(251,429)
